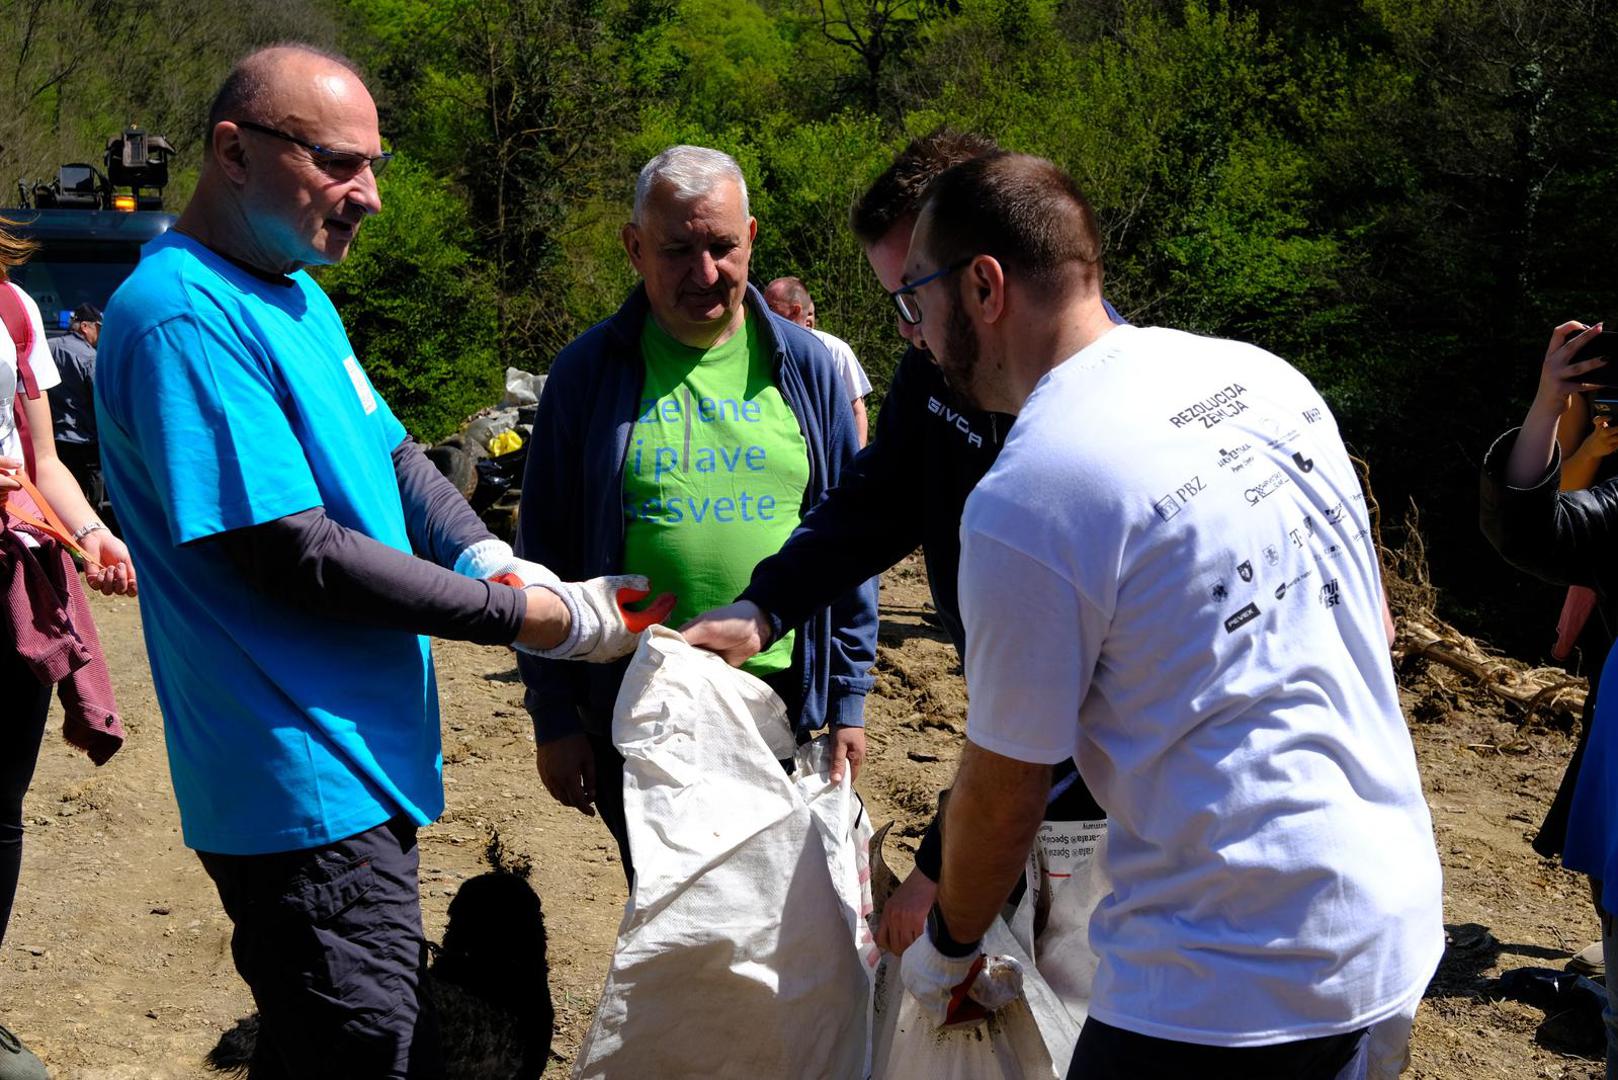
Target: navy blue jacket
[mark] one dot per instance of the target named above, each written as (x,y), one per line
(572,515)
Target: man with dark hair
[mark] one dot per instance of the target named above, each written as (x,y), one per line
(277,509)
(905,490)
(1168,577)
(789,299)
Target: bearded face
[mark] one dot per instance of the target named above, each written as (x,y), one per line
(958,354)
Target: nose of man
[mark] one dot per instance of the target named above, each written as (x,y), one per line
(364,193)
(705,274)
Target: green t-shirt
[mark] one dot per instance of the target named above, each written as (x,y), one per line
(715,477)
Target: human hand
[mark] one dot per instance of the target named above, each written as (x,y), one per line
(545,622)
(601,628)
(9,465)
(1561,374)
(737,632)
(567,768)
(904,916)
(945,986)
(847,745)
(1602,440)
(115,574)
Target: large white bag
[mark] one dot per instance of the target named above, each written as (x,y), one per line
(744,950)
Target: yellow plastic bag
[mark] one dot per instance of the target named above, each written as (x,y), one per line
(504,443)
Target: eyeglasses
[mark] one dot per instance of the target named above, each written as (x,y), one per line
(904,297)
(343,164)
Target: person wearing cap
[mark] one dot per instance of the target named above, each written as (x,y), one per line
(73,413)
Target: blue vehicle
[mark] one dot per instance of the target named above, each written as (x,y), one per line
(90,233)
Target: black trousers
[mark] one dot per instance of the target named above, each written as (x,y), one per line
(1105,1052)
(330,942)
(22,730)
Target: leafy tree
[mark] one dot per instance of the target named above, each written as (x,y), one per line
(419,309)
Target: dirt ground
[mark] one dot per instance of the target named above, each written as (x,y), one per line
(117,963)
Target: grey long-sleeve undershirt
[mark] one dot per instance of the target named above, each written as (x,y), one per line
(310,561)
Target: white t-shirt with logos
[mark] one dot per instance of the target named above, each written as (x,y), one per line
(1168,575)
(848,366)
(40,362)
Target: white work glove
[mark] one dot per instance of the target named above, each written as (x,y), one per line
(491,559)
(958,990)
(602,629)
(599,628)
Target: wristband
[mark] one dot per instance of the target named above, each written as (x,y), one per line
(85,530)
(938,933)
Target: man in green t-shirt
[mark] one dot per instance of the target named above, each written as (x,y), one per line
(684,438)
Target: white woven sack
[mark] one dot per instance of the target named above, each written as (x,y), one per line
(743,951)
(1012,1044)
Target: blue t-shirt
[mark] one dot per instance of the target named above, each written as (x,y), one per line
(226,400)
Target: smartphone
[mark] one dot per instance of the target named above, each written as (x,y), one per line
(1599,345)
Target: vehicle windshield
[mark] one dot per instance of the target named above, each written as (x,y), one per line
(64,274)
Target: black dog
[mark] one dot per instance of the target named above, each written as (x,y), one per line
(489,981)
(494,953)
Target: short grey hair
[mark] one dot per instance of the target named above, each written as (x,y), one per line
(692,171)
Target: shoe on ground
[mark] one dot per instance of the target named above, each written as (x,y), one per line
(1590,961)
(16,1063)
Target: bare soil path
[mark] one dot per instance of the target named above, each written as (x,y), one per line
(117,963)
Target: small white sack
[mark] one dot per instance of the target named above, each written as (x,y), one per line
(1015,1043)
(1048,935)
(743,951)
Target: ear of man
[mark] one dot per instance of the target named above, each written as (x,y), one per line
(985,284)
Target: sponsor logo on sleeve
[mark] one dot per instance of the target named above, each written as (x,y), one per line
(1271,554)
(1312,415)
(1219,592)
(1330,594)
(1245,569)
(1334,514)
(1303,463)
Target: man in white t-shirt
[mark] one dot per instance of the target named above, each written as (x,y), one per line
(1168,576)
(789,299)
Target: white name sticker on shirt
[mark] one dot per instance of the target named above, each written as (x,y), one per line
(1069,845)
(361,387)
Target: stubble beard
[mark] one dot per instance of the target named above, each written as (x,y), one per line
(963,351)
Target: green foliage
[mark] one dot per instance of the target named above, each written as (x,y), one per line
(1399,196)
(419,310)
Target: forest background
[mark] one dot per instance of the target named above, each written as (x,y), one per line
(1401,197)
